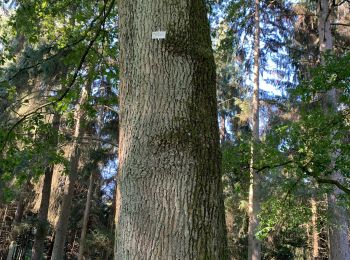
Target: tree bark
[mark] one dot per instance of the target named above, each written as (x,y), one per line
(169,194)
(42,226)
(338,228)
(86,217)
(63,220)
(254,245)
(315,233)
(324,26)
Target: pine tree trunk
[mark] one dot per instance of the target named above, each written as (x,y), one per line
(338,230)
(86,217)
(169,193)
(63,220)
(315,233)
(254,245)
(42,226)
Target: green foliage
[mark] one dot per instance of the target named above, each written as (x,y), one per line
(100,240)
(44,42)
(332,74)
(300,148)
(278,215)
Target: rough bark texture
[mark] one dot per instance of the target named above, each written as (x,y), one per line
(86,217)
(254,245)
(169,195)
(338,230)
(63,220)
(42,226)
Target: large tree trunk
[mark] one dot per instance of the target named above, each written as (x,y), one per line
(43,224)
(63,220)
(338,229)
(254,245)
(169,193)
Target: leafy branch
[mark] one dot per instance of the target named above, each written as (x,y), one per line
(70,85)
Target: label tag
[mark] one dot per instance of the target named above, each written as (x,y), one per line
(158,35)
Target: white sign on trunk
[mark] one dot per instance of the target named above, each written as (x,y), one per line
(158,35)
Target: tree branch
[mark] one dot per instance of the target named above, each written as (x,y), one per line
(273,166)
(334,182)
(70,85)
(341,24)
(325,181)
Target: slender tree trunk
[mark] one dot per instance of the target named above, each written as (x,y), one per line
(254,245)
(338,229)
(169,194)
(309,241)
(315,233)
(91,185)
(86,217)
(2,224)
(63,220)
(42,226)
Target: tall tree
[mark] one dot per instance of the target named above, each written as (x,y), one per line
(254,245)
(315,232)
(169,193)
(63,220)
(86,217)
(338,231)
(42,225)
